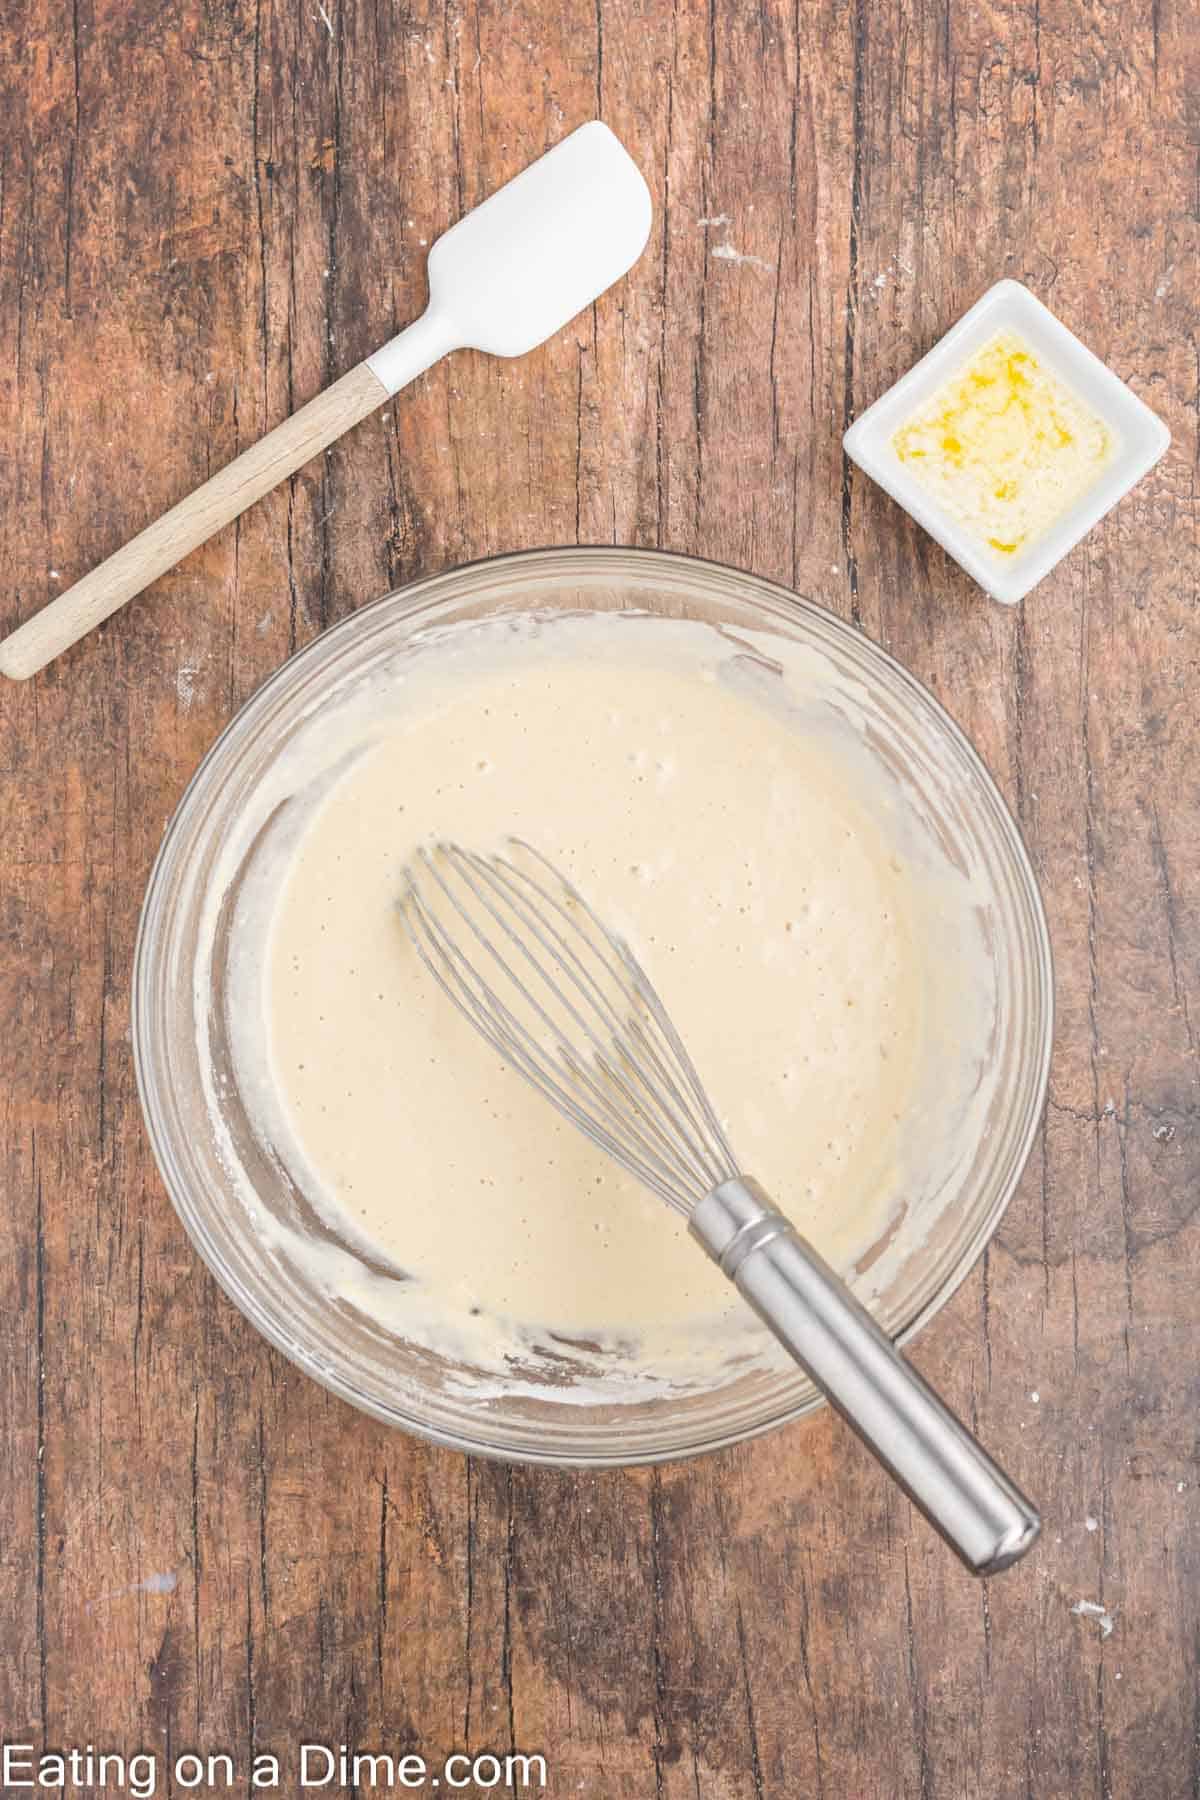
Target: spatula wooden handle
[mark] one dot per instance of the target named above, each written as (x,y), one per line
(243,481)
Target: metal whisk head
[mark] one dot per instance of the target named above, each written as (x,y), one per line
(567,1004)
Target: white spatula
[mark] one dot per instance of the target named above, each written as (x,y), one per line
(504,279)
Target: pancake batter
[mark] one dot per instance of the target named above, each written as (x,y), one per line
(728,829)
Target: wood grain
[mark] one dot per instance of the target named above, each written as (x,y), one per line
(207,213)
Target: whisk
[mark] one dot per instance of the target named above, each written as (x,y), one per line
(565,1002)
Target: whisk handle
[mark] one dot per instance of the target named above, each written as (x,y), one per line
(981,1514)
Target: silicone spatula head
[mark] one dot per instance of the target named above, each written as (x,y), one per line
(541,248)
(547,244)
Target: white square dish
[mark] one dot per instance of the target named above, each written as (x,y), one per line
(1139,435)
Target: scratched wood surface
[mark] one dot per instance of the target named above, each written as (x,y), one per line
(206,213)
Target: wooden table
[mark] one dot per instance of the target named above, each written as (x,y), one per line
(206,213)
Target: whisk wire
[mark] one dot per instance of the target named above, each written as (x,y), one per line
(666,1113)
(591,1032)
(636,986)
(506,1043)
(637,1095)
(478,1002)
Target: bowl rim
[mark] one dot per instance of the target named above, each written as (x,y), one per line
(416,594)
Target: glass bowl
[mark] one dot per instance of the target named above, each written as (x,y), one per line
(944,1227)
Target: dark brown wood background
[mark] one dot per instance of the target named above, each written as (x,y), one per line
(207,211)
